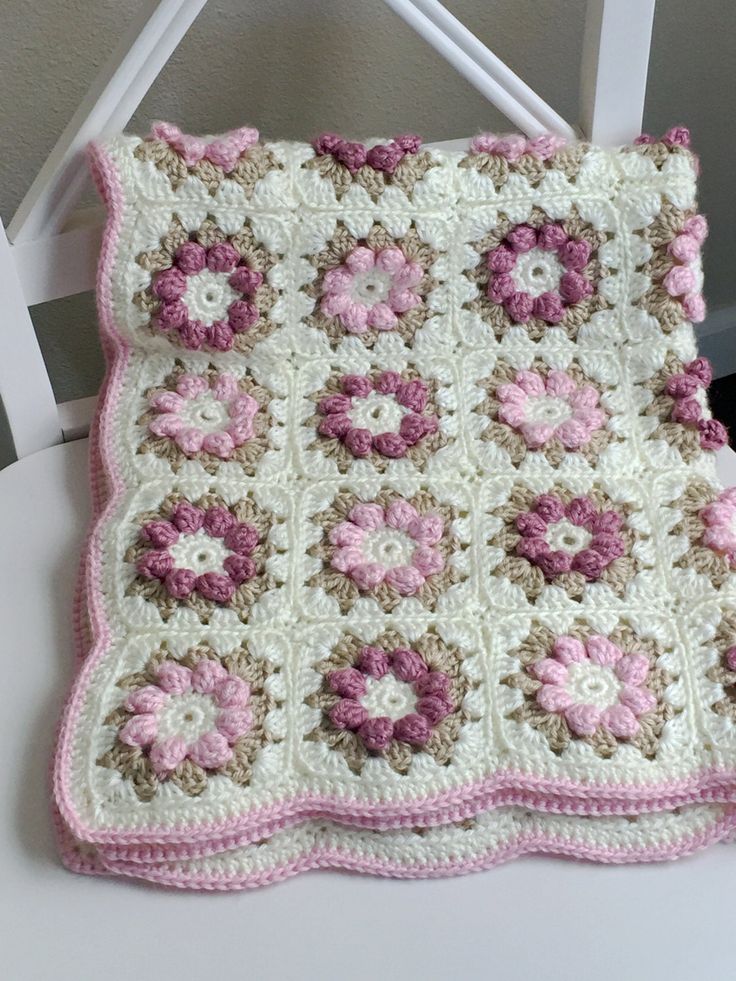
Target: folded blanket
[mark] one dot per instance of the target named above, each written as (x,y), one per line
(408,513)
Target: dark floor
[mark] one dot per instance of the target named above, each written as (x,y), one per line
(722,395)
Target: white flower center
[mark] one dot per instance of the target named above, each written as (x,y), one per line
(388,547)
(208,296)
(592,684)
(388,696)
(189,716)
(377,413)
(205,413)
(547,408)
(564,536)
(199,552)
(537,271)
(371,287)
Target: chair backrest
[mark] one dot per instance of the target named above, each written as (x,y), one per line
(50,249)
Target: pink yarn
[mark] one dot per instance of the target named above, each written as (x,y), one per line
(621,716)
(604,547)
(549,306)
(353,536)
(514,146)
(224,151)
(521,399)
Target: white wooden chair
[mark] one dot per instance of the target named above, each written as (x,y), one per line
(533,916)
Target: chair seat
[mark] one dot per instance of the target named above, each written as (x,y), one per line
(320,925)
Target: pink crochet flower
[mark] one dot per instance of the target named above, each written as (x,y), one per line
(719,519)
(207,295)
(196,550)
(592,684)
(371,289)
(573,538)
(684,280)
(195,714)
(514,146)
(688,410)
(390,695)
(539,273)
(385,414)
(212,416)
(383,156)
(223,151)
(552,408)
(394,545)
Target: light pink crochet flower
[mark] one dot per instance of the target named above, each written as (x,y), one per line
(593,683)
(207,295)
(514,146)
(720,525)
(213,416)
(207,552)
(385,414)
(398,682)
(195,714)
(394,545)
(555,408)
(371,289)
(223,151)
(684,280)
(539,273)
(577,537)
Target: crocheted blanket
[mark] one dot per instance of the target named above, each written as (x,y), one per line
(406,513)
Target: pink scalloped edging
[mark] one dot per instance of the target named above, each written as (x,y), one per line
(345,859)
(509,787)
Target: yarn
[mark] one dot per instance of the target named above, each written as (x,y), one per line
(411,517)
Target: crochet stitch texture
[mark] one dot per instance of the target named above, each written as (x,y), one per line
(407,513)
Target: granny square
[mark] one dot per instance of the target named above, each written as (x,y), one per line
(407,513)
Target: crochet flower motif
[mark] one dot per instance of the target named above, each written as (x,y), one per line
(204,551)
(223,151)
(367,286)
(384,415)
(394,545)
(707,522)
(680,404)
(684,281)
(600,689)
(370,289)
(383,156)
(576,537)
(184,720)
(398,163)
(553,408)
(202,556)
(236,156)
(391,699)
(188,714)
(688,410)
(387,549)
(208,289)
(564,540)
(213,416)
(209,417)
(538,273)
(390,695)
(719,519)
(206,295)
(594,684)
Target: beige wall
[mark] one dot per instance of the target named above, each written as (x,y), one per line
(294,67)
